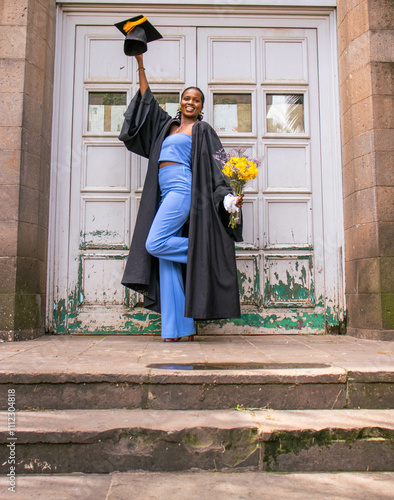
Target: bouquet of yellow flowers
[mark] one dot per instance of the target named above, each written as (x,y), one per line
(239,169)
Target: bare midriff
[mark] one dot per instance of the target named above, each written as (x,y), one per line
(166,163)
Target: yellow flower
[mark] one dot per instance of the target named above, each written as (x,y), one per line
(240,169)
(227,170)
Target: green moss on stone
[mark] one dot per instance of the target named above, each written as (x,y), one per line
(388,310)
(284,443)
(27,311)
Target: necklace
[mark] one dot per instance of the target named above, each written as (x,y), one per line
(182,127)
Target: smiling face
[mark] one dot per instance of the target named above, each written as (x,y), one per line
(191,103)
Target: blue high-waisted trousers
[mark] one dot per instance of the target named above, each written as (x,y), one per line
(165,241)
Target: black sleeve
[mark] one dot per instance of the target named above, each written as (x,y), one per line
(220,185)
(144,119)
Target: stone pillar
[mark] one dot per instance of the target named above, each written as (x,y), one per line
(27,39)
(365,38)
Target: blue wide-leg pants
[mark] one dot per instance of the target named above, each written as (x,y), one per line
(165,241)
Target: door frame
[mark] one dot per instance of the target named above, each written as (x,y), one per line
(321,19)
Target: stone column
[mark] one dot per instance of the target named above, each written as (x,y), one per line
(365,38)
(27,30)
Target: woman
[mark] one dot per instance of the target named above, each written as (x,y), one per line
(181,218)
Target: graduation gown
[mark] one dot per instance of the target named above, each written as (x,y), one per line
(211,286)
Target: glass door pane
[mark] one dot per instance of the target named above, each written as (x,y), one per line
(106,110)
(285,113)
(168,101)
(232,113)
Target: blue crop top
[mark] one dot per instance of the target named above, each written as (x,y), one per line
(177,148)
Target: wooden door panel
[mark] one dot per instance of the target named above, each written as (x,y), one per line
(287,167)
(232,59)
(104,58)
(291,68)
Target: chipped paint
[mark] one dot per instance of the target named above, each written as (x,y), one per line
(248,281)
(71,317)
(140,321)
(60,316)
(289,292)
(144,322)
(95,240)
(289,282)
(290,321)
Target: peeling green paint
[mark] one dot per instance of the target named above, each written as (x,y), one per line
(84,245)
(293,290)
(296,308)
(295,320)
(144,322)
(86,241)
(335,320)
(289,291)
(141,322)
(60,316)
(65,312)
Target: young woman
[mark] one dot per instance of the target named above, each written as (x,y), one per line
(182,217)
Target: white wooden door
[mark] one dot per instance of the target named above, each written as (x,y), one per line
(263,94)
(106,180)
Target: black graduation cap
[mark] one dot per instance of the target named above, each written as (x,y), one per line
(138,31)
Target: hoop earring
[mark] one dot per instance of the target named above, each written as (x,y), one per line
(200,115)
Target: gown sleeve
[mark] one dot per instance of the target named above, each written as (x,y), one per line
(144,119)
(220,185)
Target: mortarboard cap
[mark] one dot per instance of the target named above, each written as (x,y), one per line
(139,32)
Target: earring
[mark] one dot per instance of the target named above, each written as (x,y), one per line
(200,115)
(179,109)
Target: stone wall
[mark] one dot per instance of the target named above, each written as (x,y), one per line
(365,38)
(27,29)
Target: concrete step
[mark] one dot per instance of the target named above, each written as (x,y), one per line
(204,486)
(104,441)
(194,386)
(276,371)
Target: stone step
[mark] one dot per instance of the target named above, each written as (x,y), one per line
(203,485)
(104,441)
(209,386)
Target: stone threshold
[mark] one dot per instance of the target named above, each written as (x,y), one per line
(140,387)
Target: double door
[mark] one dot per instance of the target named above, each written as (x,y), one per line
(262,94)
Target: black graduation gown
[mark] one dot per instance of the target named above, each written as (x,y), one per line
(211,286)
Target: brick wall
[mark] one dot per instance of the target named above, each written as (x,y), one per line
(365,37)
(27,29)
